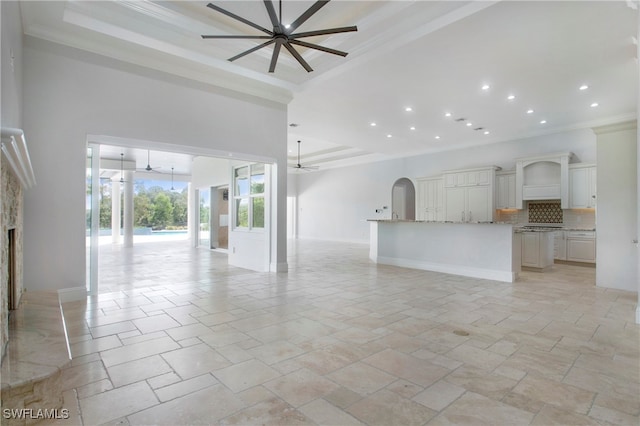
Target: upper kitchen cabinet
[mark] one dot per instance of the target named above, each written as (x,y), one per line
(430,199)
(506,190)
(471,177)
(543,178)
(469,195)
(582,186)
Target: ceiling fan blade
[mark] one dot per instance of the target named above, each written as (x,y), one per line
(318,47)
(306,15)
(274,57)
(272,15)
(325,32)
(239,18)
(253,49)
(299,58)
(236,37)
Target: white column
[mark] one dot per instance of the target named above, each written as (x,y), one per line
(128,208)
(192,211)
(115,210)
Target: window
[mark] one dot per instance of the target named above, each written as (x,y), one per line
(249,196)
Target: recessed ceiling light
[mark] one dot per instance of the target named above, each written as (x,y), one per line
(485,87)
(447,114)
(593,105)
(529,111)
(389,135)
(486,132)
(583,87)
(412,128)
(408,109)
(543,121)
(373,124)
(511,97)
(469,124)
(437,137)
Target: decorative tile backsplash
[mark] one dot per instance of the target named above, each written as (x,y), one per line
(545,212)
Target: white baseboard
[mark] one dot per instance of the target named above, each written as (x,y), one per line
(486,274)
(72,294)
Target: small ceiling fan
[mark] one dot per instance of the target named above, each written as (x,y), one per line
(300,166)
(283,35)
(149,168)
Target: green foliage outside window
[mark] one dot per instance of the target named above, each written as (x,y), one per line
(249,196)
(155,207)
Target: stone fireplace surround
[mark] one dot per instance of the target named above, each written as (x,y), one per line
(11,217)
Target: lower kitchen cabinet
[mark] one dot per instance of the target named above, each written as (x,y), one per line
(581,246)
(537,249)
(559,245)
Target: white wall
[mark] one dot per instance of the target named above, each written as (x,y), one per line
(616,217)
(11,91)
(335,204)
(69,94)
(208,172)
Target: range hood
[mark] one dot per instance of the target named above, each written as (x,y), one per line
(543,177)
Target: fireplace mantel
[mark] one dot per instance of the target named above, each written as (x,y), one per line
(14,148)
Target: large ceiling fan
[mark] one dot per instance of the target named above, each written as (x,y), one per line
(300,166)
(282,35)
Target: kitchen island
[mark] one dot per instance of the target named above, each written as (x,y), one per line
(480,250)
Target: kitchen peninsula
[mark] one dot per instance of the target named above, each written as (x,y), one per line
(480,250)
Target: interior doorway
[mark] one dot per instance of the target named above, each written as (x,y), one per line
(403,200)
(208,175)
(222,215)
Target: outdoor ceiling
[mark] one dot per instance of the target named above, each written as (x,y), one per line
(430,56)
(162,163)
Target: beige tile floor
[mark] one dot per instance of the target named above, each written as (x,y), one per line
(179,337)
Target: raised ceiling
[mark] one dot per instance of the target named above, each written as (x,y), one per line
(430,56)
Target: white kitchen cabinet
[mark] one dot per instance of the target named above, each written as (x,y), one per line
(478,207)
(468,204)
(470,177)
(430,199)
(559,245)
(582,187)
(537,250)
(506,190)
(469,195)
(581,246)
(455,179)
(455,204)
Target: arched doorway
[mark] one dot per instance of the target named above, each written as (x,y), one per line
(403,200)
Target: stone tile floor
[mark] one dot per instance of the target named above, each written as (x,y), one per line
(177,336)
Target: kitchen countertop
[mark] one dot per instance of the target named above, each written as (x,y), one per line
(434,221)
(516,227)
(542,228)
